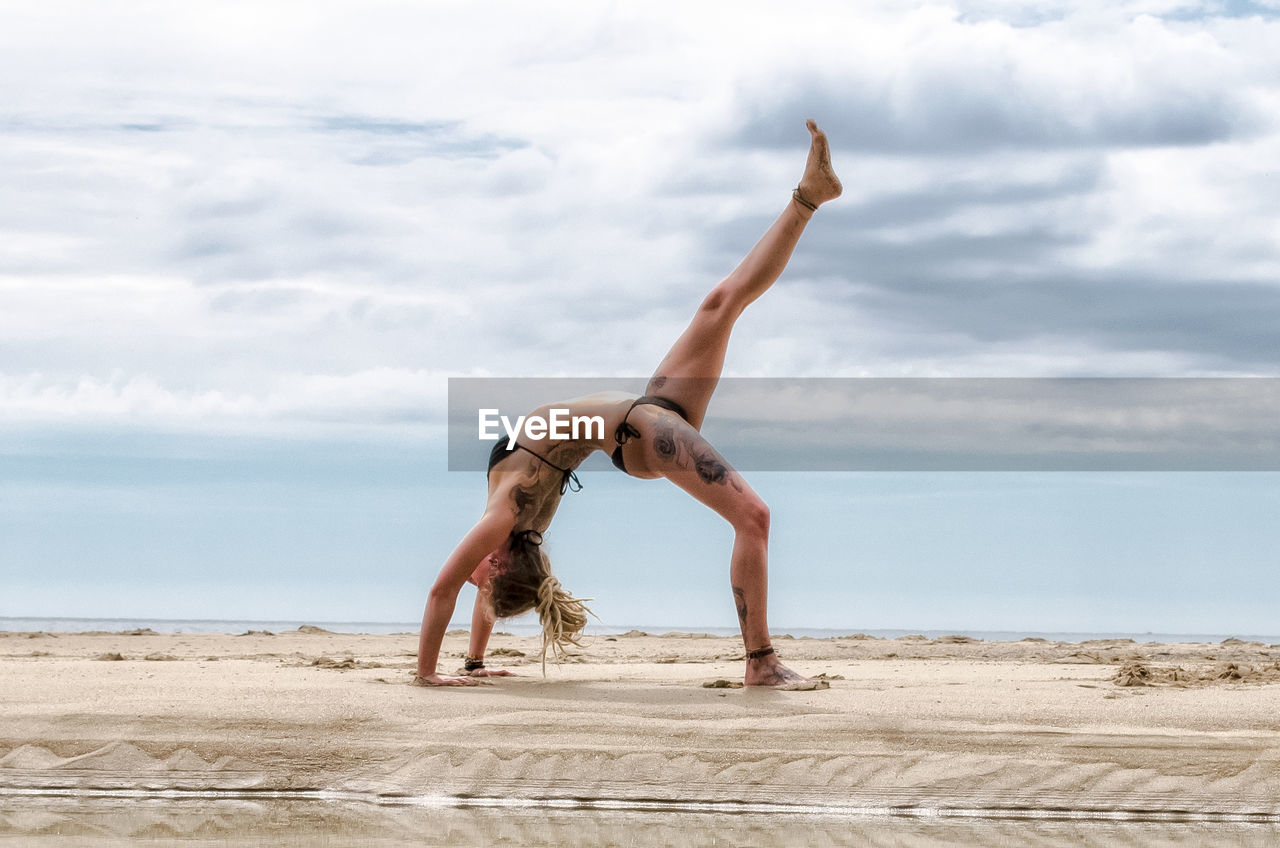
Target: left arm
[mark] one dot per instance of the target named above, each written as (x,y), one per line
(481,627)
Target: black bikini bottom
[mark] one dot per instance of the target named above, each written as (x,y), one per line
(625,431)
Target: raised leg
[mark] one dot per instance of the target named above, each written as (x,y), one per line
(678,452)
(689,372)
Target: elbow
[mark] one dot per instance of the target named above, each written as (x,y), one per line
(442,593)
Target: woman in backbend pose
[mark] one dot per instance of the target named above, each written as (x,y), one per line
(656,435)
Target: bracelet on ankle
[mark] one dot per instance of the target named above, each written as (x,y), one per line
(799,198)
(470,663)
(760,653)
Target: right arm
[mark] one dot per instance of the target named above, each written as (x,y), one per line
(488,534)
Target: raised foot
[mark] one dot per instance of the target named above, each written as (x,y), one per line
(775,675)
(819,183)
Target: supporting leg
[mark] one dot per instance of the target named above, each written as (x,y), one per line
(679,453)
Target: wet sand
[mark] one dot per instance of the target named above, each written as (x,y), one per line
(79,823)
(999,728)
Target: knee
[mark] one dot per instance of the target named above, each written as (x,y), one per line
(718,303)
(753,519)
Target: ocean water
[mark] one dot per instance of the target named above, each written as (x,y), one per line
(531,628)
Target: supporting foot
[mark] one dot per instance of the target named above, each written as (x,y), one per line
(444,680)
(768,672)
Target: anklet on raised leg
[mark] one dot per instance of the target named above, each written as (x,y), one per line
(799,198)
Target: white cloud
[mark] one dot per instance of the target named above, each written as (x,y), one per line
(386,399)
(211,209)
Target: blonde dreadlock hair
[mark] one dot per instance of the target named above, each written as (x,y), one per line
(563,617)
(527,583)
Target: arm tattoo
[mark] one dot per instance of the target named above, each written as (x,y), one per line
(656,383)
(740,599)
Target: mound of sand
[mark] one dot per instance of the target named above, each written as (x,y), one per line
(1138,674)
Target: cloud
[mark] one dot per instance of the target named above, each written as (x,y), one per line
(384,398)
(945,86)
(950,194)
(385,141)
(209,206)
(1024,283)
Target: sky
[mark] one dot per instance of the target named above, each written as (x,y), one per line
(244,246)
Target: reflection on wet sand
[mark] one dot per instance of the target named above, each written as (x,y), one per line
(43,822)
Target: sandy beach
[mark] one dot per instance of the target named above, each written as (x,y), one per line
(1003,728)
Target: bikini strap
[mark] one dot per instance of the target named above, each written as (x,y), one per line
(569,481)
(627,431)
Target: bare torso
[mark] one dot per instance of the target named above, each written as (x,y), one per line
(529,487)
